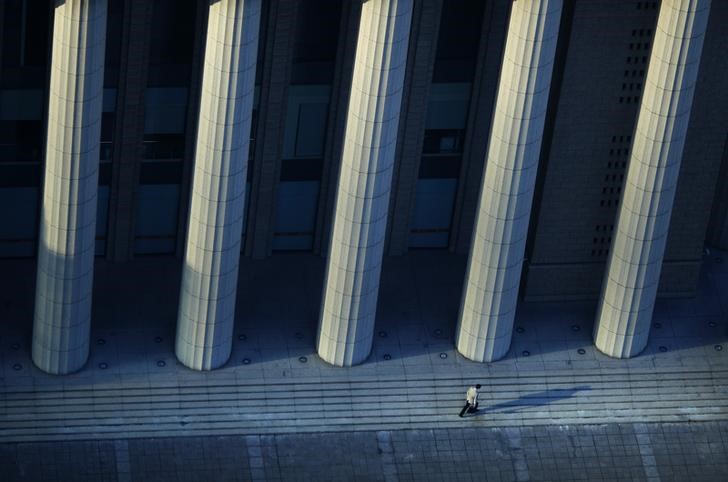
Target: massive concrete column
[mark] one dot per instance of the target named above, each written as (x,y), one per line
(354,263)
(210,271)
(494,268)
(633,270)
(62,320)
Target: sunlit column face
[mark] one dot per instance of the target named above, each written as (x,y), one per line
(68,216)
(633,272)
(210,272)
(494,268)
(360,219)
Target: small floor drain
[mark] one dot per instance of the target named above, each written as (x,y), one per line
(526,353)
(581,351)
(712,324)
(387,356)
(302,359)
(443,355)
(161,363)
(575,328)
(246,361)
(718,347)
(17,367)
(100,341)
(242,337)
(663,349)
(520,329)
(103,365)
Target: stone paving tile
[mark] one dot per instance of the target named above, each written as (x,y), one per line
(634,452)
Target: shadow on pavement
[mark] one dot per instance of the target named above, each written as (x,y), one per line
(537,399)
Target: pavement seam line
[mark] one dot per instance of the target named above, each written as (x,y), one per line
(385,449)
(123,464)
(649,463)
(520,465)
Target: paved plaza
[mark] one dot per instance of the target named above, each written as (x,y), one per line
(625,452)
(553,409)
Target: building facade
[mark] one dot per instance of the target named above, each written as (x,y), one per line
(302,90)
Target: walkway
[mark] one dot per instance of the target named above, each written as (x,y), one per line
(132,388)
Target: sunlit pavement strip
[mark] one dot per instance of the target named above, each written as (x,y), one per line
(648,458)
(519,464)
(384,444)
(176,408)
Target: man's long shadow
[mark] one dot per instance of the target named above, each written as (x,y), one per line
(532,400)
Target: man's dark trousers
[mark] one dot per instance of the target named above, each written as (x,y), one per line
(468,408)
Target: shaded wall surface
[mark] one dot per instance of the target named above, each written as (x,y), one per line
(151,103)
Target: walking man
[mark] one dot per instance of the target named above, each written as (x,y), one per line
(471,400)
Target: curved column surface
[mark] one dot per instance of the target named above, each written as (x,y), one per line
(492,278)
(210,272)
(62,319)
(346,326)
(633,271)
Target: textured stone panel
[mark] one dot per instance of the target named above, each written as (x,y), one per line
(210,271)
(62,319)
(494,268)
(633,271)
(354,264)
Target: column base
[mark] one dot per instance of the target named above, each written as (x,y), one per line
(56,362)
(202,358)
(618,345)
(483,350)
(342,354)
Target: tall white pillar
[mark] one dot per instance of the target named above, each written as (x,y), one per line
(62,319)
(346,327)
(633,270)
(210,273)
(493,275)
